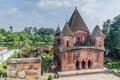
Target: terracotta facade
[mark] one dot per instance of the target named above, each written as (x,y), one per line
(81,59)
(76,48)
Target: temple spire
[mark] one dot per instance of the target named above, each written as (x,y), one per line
(66,30)
(75,7)
(58,31)
(97,32)
(76,22)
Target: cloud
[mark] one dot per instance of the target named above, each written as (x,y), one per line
(12,10)
(48,12)
(85,6)
(89,6)
(54,3)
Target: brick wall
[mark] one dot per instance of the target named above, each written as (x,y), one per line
(27,69)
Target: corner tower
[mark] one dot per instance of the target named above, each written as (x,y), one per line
(67,36)
(98,36)
(57,43)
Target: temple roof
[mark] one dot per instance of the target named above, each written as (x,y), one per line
(58,31)
(66,30)
(97,32)
(76,22)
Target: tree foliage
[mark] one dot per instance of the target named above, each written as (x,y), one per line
(30,36)
(111,29)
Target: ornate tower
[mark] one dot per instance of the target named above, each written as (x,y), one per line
(98,36)
(57,43)
(67,36)
(79,29)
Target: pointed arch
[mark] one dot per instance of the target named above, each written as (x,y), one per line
(68,43)
(77,65)
(89,64)
(83,64)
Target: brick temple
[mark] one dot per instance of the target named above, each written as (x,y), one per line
(75,48)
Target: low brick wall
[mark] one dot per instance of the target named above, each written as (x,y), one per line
(24,68)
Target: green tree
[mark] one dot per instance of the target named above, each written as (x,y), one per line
(11,28)
(106,30)
(111,30)
(28,30)
(35,30)
(29,36)
(3,31)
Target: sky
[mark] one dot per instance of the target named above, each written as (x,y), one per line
(50,13)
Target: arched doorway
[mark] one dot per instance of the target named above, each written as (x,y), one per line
(83,64)
(67,43)
(77,65)
(89,64)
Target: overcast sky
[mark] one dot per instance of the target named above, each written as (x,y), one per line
(50,13)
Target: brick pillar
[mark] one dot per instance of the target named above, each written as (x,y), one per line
(86,65)
(80,67)
(92,65)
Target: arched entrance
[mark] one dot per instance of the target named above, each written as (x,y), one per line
(83,64)
(89,64)
(77,65)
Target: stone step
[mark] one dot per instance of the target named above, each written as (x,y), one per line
(82,72)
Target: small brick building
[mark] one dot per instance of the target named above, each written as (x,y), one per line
(76,48)
(24,68)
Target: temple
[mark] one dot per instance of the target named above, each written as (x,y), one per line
(75,48)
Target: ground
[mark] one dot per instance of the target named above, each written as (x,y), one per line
(97,74)
(100,76)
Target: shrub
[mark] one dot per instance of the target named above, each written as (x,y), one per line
(4,64)
(107,60)
(50,77)
(2,70)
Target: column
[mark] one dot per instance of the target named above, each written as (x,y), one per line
(80,65)
(86,65)
(91,66)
